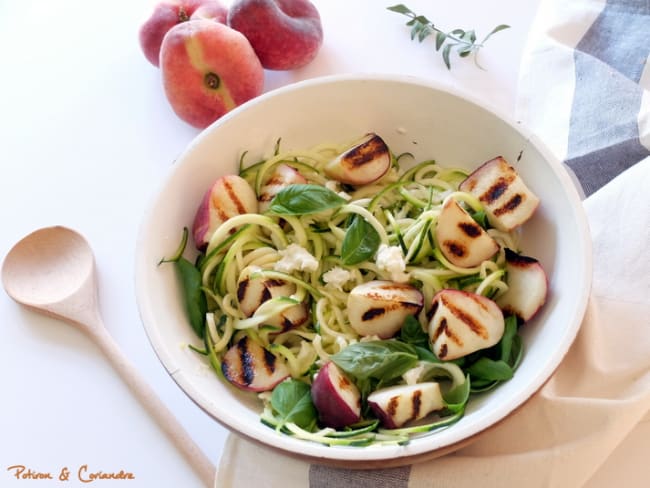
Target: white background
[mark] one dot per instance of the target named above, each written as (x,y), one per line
(86,137)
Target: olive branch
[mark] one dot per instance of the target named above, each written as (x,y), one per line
(463,42)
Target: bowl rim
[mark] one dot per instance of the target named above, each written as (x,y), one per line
(403,454)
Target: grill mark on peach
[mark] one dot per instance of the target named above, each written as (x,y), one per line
(519,259)
(233,197)
(468,319)
(241,289)
(391,408)
(364,153)
(495,191)
(470,229)
(440,329)
(434,307)
(510,206)
(269,362)
(373,313)
(416,404)
(246,362)
(456,248)
(443,328)
(443,352)
(217,208)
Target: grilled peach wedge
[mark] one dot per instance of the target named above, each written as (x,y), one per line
(248,366)
(335,397)
(253,292)
(461,240)
(394,406)
(282,176)
(507,200)
(380,307)
(463,322)
(527,286)
(365,162)
(228,196)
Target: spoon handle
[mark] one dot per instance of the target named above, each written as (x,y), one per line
(150,400)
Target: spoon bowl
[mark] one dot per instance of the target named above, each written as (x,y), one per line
(52,271)
(48,267)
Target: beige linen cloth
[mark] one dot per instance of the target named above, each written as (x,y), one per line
(589,425)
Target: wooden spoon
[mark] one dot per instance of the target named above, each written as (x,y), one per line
(52,271)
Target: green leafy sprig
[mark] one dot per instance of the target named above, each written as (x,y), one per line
(463,42)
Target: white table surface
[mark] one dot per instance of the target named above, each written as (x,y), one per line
(86,138)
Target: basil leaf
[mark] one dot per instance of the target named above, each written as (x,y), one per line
(424,354)
(489,369)
(413,333)
(360,243)
(291,400)
(382,360)
(303,199)
(195,301)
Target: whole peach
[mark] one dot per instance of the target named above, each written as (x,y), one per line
(286,34)
(207,70)
(166,15)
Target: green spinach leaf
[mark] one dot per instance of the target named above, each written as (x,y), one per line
(195,301)
(193,297)
(489,369)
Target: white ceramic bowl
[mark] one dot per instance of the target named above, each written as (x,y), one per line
(411,115)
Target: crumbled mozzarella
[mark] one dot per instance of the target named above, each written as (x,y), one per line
(337,277)
(391,259)
(295,257)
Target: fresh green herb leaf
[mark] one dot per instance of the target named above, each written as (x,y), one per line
(291,401)
(508,339)
(498,28)
(360,243)
(304,199)
(413,333)
(445,55)
(425,354)
(464,41)
(194,299)
(381,360)
(441,37)
(489,369)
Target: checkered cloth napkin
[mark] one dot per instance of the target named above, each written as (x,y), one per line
(585,90)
